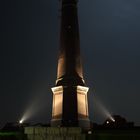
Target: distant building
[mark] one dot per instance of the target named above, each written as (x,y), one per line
(118,122)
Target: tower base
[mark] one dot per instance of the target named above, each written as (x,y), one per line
(85,124)
(70,107)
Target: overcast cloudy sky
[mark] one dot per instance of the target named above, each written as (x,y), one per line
(110,47)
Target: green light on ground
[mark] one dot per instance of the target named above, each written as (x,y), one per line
(8,133)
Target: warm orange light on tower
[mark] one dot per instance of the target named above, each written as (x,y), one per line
(70,104)
(57,102)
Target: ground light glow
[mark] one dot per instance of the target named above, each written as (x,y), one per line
(21,121)
(103,110)
(30,112)
(33,109)
(107,122)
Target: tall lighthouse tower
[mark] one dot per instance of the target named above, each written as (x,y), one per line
(70,103)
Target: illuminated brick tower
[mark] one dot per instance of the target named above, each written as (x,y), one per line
(70,104)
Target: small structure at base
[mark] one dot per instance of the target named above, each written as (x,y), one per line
(54,133)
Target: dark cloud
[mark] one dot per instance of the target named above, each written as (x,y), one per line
(110,41)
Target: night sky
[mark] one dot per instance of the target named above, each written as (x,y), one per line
(110,48)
